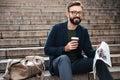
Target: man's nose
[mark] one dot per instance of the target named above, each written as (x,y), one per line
(77,15)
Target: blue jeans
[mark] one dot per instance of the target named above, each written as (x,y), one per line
(65,69)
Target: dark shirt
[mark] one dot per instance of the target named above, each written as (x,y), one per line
(72,54)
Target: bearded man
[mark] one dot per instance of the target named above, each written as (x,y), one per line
(65,53)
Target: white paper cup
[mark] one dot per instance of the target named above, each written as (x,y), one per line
(74,38)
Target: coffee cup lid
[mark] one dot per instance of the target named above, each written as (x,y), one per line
(75,38)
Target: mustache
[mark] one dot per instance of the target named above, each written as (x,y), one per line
(76,18)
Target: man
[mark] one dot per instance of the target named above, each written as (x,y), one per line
(65,54)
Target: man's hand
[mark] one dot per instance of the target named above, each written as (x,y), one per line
(72,45)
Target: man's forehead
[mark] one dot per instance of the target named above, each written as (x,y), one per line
(77,8)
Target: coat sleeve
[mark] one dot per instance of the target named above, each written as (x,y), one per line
(87,48)
(51,48)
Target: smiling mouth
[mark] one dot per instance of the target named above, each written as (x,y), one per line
(76,19)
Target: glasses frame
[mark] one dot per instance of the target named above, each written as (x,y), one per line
(76,12)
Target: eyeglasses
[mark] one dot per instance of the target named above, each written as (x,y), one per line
(76,12)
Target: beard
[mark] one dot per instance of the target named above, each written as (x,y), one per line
(75,20)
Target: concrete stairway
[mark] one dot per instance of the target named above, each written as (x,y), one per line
(25,24)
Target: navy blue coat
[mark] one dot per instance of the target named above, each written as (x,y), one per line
(58,38)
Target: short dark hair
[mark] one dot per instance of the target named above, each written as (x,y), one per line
(74,3)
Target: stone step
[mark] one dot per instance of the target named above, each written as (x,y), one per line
(30,16)
(6,53)
(109,39)
(48,27)
(28,27)
(104,32)
(88,4)
(58,16)
(102,26)
(44,33)
(88,13)
(51,22)
(20,42)
(24,34)
(114,48)
(31,3)
(115,60)
(56,6)
(115,71)
(50,7)
(30,40)
(21,52)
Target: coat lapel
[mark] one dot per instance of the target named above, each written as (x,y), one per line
(65,33)
(79,32)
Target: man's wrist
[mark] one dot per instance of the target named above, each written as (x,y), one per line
(65,49)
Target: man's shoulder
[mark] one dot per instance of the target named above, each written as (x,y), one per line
(60,25)
(82,28)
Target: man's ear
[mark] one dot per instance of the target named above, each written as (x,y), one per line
(67,14)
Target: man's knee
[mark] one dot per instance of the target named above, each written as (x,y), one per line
(100,63)
(64,58)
